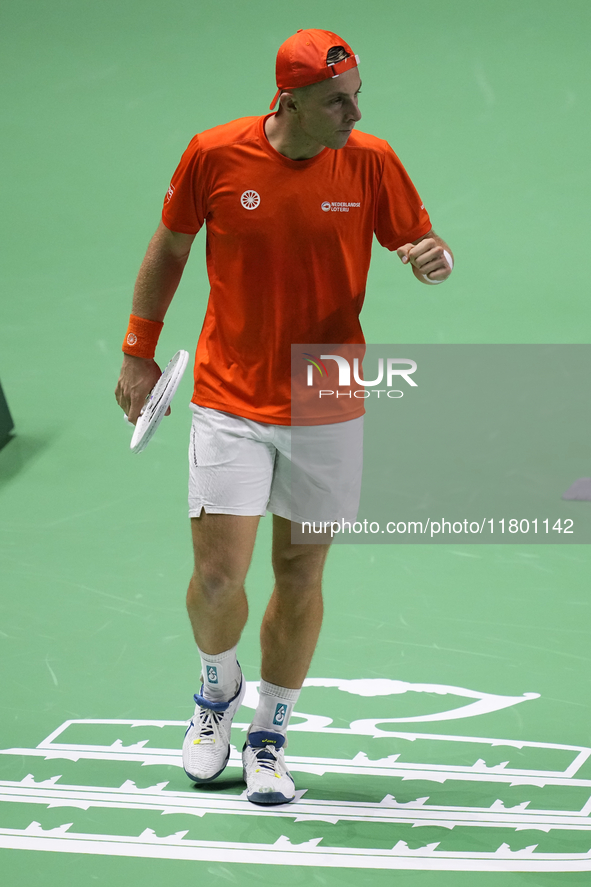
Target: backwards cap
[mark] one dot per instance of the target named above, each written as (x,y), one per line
(303,60)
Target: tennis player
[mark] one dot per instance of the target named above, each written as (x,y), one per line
(291,202)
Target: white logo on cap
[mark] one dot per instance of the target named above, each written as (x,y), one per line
(250,200)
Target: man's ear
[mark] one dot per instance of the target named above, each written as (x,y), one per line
(289,102)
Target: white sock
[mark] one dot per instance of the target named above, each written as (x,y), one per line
(220,674)
(274,708)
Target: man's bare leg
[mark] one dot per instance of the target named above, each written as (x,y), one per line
(289,634)
(218,610)
(216,601)
(291,625)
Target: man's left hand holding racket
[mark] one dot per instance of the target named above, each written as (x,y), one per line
(137,378)
(138,388)
(157,402)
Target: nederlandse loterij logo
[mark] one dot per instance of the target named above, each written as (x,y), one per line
(338,206)
(250,199)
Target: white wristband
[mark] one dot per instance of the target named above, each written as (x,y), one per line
(449,261)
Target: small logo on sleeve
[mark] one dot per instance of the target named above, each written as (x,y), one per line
(212,674)
(280,713)
(169,194)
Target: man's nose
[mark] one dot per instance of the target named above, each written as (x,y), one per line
(353,112)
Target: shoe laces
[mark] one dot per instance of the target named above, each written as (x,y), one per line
(209,725)
(266,757)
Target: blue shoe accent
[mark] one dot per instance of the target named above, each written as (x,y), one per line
(208,703)
(265,737)
(264,799)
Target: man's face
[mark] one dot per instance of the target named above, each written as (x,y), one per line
(328,111)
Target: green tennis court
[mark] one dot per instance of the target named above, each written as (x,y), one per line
(444,734)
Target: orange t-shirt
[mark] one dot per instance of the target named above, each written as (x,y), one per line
(288,251)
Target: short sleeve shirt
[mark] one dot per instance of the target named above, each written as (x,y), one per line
(288,251)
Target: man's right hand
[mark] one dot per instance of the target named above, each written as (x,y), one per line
(137,378)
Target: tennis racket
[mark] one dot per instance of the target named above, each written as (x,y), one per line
(158,401)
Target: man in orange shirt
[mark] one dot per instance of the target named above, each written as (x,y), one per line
(284,267)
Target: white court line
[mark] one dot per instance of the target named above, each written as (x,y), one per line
(316,766)
(416,813)
(283,852)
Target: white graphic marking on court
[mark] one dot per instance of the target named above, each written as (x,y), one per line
(562,763)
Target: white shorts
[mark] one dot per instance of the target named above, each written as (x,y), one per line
(238,466)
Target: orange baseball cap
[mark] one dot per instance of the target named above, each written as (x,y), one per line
(302,60)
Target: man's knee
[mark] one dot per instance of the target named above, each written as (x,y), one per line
(213,583)
(222,545)
(300,572)
(297,567)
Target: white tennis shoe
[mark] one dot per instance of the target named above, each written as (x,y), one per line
(206,747)
(268,781)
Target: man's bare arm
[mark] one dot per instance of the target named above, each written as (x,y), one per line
(427,256)
(156,284)
(160,272)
